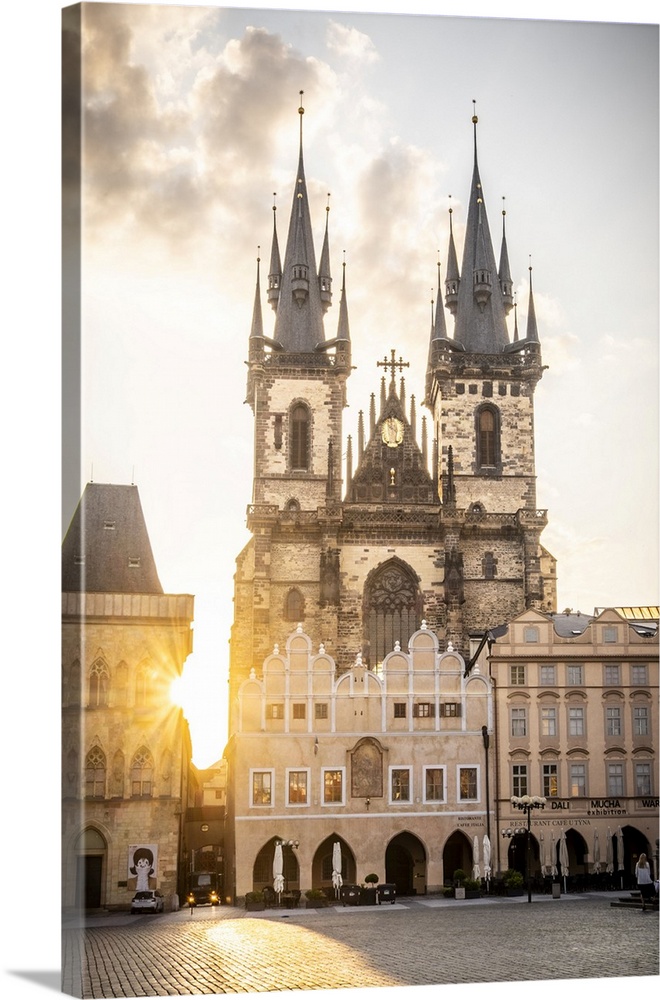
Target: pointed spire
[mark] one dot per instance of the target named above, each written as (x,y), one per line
(413,417)
(275,272)
(299,321)
(372,414)
(343,329)
(325,279)
(402,393)
(383,395)
(516,336)
(504,273)
(439,324)
(453,279)
(532,330)
(257,330)
(349,464)
(480,316)
(360,435)
(425,443)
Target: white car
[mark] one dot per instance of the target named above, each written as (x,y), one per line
(147,901)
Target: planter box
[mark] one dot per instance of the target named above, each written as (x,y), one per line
(515,890)
(349,894)
(255,906)
(368,896)
(472,894)
(387,892)
(459,892)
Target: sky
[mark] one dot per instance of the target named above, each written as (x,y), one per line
(192,124)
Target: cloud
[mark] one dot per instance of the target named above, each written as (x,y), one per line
(351,44)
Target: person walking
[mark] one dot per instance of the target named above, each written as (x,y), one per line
(644,880)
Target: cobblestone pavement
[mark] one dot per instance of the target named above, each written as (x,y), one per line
(413,942)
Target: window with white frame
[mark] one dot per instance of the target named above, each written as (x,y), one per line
(275,710)
(424,710)
(333,786)
(450,709)
(547,675)
(550,777)
(519,721)
(575,720)
(548,720)
(517,672)
(467,783)
(434,784)
(640,720)
(615,779)
(261,787)
(297,787)
(400,784)
(574,674)
(578,779)
(638,674)
(613,720)
(519,779)
(612,674)
(643,777)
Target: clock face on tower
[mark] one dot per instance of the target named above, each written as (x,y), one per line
(392,432)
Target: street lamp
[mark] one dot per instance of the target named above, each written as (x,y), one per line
(526,803)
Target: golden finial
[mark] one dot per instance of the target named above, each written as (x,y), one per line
(327,207)
(503,208)
(258,254)
(301,110)
(274,197)
(474,116)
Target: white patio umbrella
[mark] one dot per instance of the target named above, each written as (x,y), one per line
(476,870)
(553,855)
(609,852)
(544,851)
(336,867)
(596,853)
(278,870)
(619,851)
(563,856)
(487,868)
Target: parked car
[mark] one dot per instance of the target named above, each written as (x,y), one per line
(148,901)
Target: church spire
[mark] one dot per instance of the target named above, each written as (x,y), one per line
(299,321)
(275,272)
(453,279)
(325,279)
(532,330)
(504,273)
(257,330)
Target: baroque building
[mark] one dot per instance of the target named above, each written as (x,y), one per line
(378,578)
(127,777)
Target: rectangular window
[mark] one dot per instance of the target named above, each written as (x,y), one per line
(519,722)
(434,784)
(548,722)
(262,788)
(531,634)
(574,674)
(299,710)
(643,778)
(517,673)
(333,785)
(638,674)
(550,781)
(467,783)
(612,673)
(610,633)
(640,720)
(450,709)
(321,710)
(613,721)
(400,784)
(579,780)
(297,788)
(614,780)
(519,779)
(275,711)
(399,709)
(576,721)
(547,675)
(424,710)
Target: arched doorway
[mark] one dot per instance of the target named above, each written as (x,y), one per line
(91,854)
(578,851)
(634,844)
(405,864)
(457,853)
(322,863)
(262,870)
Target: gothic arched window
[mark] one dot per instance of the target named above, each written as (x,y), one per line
(299,436)
(95,774)
(392,610)
(488,437)
(142,774)
(99,679)
(294,606)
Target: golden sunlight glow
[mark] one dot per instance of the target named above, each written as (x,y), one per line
(178,691)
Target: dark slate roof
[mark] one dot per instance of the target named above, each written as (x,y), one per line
(107,547)
(571,625)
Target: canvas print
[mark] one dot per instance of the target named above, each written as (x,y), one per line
(359,561)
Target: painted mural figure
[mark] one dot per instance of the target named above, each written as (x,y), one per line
(142,870)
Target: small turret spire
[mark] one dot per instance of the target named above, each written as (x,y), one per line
(504,273)
(257,330)
(439,331)
(532,330)
(275,272)
(453,279)
(325,278)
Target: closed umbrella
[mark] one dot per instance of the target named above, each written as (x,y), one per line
(487,868)
(619,851)
(553,855)
(563,856)
(546,857)
(336,867)
(476,870)
(596,853)
(609,853)
(278,870)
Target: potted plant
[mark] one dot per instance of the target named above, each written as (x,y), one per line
(255,900)
(315,898)
(472,888)
(513,882)
(369,892)
(459,883)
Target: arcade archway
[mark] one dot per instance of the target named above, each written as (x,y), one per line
(405,864)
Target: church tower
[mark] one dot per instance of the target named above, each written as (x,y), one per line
(480,389)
